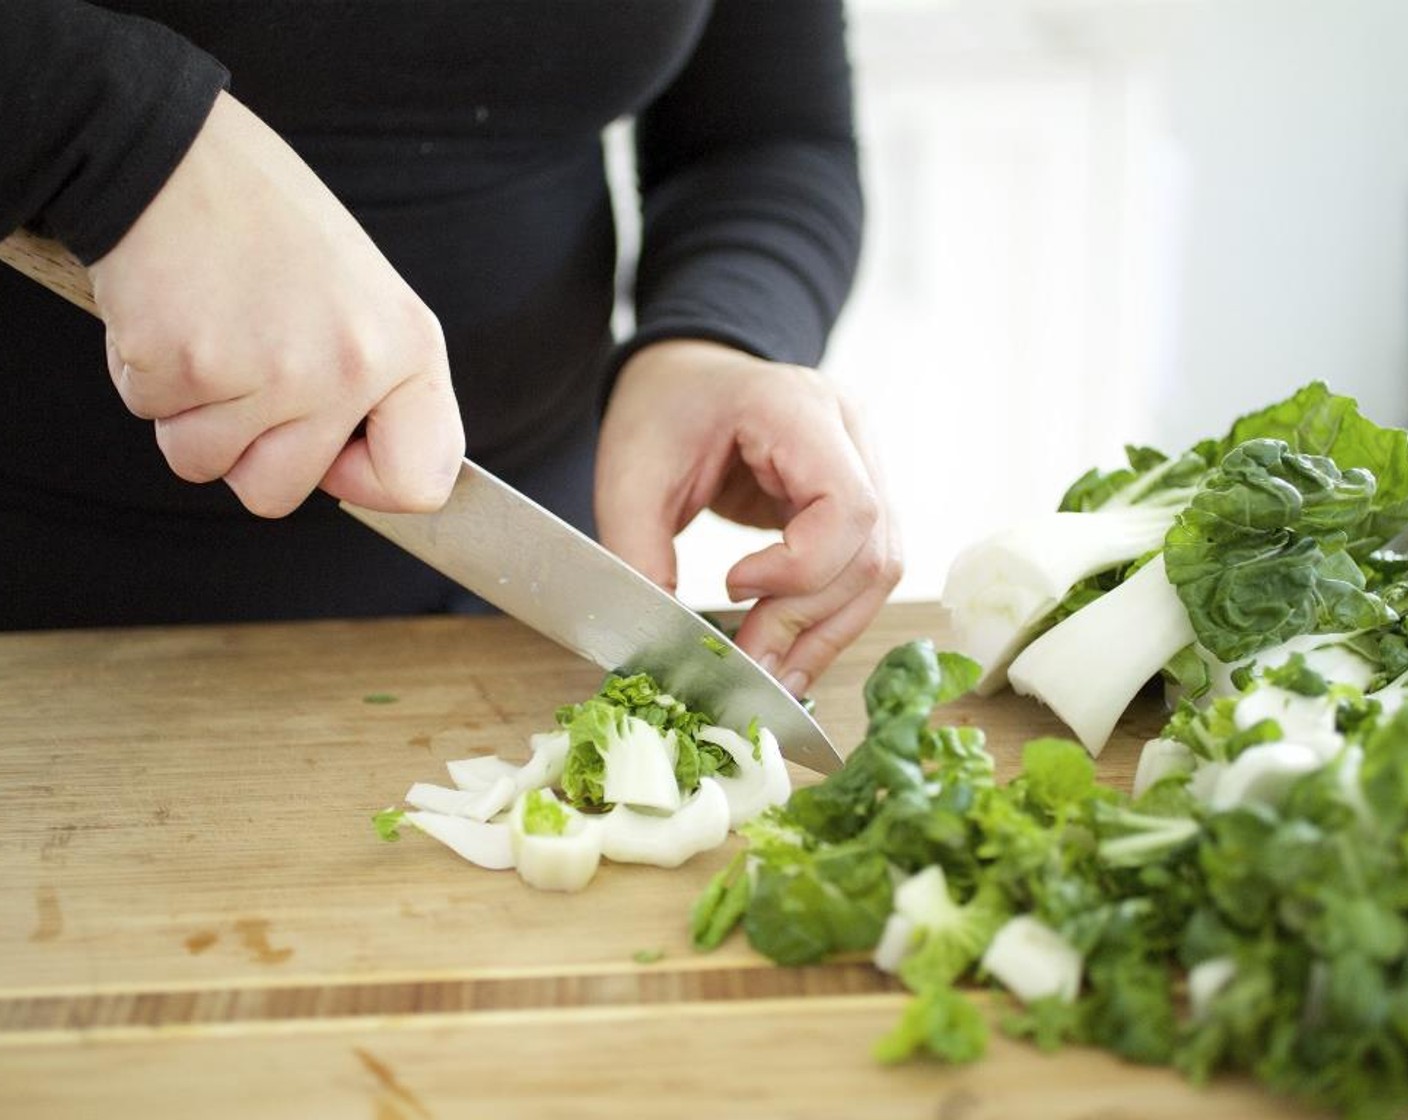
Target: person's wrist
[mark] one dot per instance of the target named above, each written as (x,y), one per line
(694,352)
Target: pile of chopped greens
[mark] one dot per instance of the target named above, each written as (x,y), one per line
(1265,932)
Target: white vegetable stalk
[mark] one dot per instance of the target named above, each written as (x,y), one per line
(1000,588)
(486,844)
(640,767)
(479,773)
(1392,695)
(545,764)
(564,861)
(759,782)
(480,805)
(1089,666)
(1306,720)
(631,836)
(1262,775)
(1158,759)
(486,785)
(1205,980)
(921,903)
(1033,961)
(1325,654)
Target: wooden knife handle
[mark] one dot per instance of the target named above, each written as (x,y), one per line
(52,265)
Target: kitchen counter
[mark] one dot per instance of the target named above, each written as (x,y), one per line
(199,919)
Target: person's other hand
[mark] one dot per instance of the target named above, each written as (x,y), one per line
(694,425)
(252,318)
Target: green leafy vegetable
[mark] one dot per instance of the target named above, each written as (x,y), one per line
(543,814)
(388,823)
(595,724)
(714,645)
(1261,553)
(1284,919)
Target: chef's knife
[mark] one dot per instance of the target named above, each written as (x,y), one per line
(532,565)
(515,554)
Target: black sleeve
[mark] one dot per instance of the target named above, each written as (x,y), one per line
(96,110)
(751,199)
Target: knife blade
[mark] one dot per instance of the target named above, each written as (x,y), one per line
(522,558)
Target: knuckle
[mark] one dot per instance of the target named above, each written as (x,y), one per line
(871,563)
(187,463)
(424,351)
(866,509)
(892,569)
(263,500)
(270,506)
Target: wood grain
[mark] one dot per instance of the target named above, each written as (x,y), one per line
(190,807)
(762,1058)
(199,919)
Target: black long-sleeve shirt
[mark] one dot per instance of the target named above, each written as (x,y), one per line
(465,136)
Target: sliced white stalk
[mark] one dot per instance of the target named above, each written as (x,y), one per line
(1089,666)
(1205,779)
(544,765)
(1392,695)
(1326,654)
(483,843)
(564,861)
(923,898)
(1307,720)
(1033,961)
(998,589)
(896,940)
(479,805)
(1205,980)
(640,767)
(666,840)
(480,772)
(1158,759)
(1262,775)
(1350,787)
(922,903)
(759,782)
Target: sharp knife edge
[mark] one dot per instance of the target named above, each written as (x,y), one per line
(532,565)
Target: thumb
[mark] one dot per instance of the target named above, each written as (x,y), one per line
(410,456)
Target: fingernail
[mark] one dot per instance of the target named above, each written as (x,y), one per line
(738,594)
(768,662)
(796,682)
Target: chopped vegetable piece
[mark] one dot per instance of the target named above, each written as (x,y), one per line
(630,835)
(481,842)
(1273,895)
(555,848)
(714,645)
(388,823)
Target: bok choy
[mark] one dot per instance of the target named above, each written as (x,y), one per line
(1274,533)
(631,775)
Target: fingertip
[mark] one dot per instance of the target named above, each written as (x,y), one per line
(410,456)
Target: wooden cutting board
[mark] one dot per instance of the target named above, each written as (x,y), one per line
(197,908)
(192,807)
